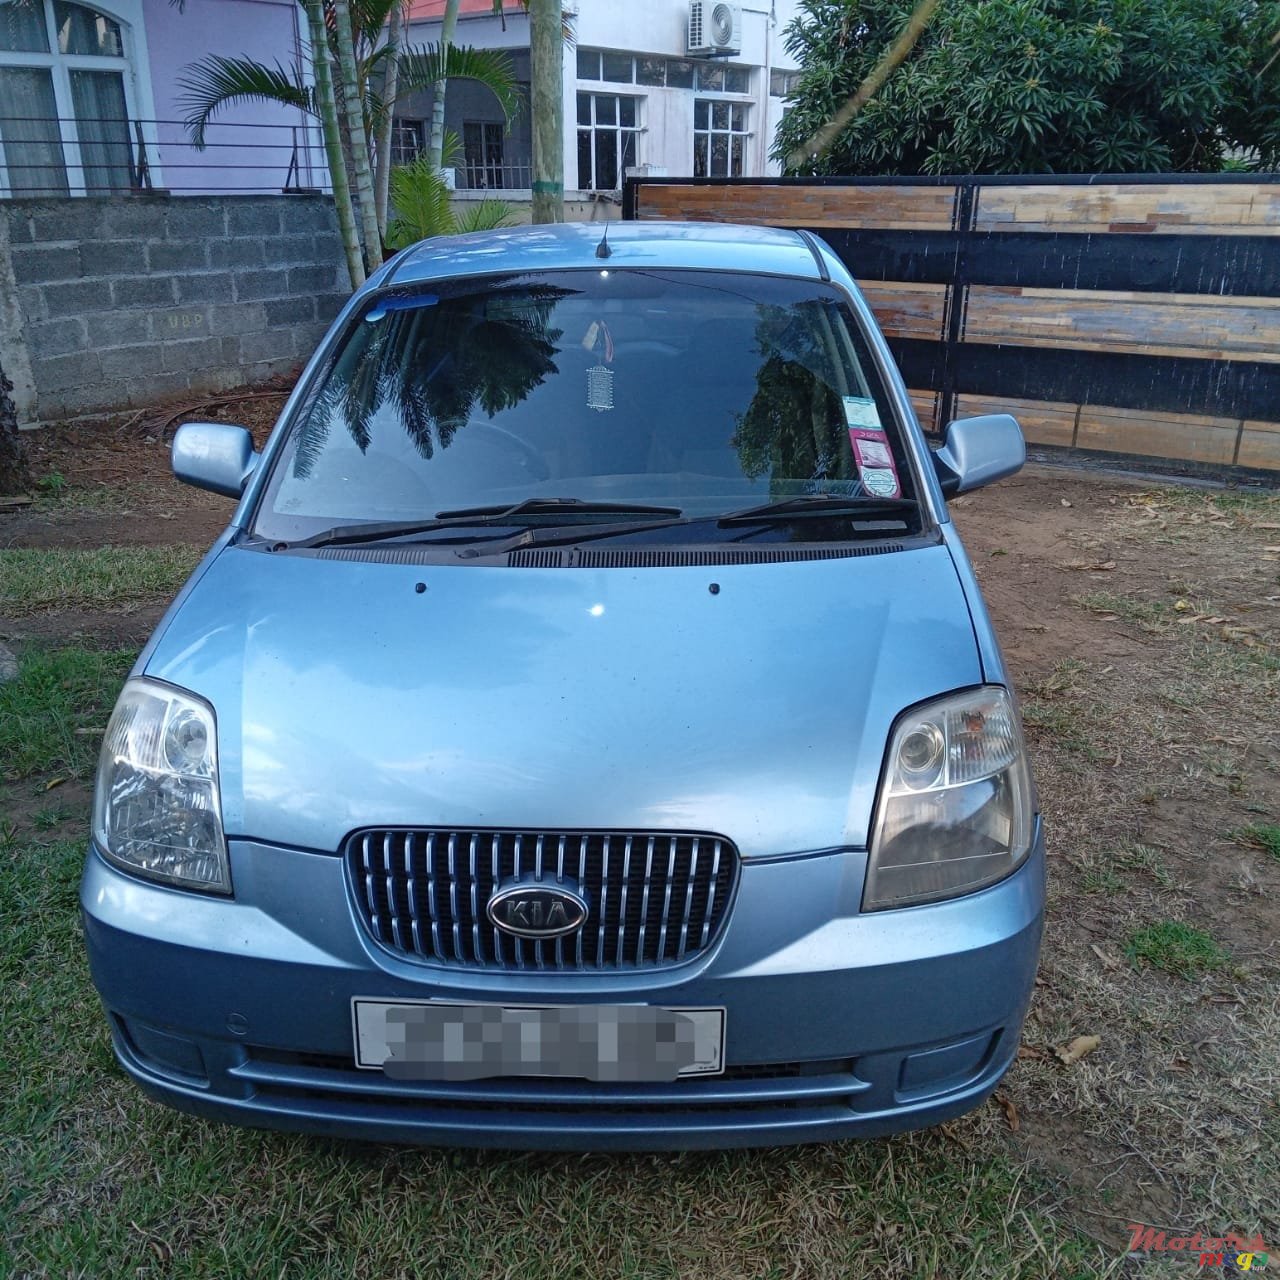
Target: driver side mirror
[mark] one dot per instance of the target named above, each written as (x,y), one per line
(979,451)
(215,456)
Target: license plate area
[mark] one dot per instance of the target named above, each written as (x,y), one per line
(614,1044)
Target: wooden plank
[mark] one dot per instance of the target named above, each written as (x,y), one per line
(1212,328)
(1174,208)
(907,310)
(1182,437)
(1042,421)
(926,407)
(1260,445)
(908,208)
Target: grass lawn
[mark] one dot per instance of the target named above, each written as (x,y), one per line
(36,579)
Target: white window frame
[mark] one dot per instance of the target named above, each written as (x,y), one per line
(137,89)
(711,132)
(636,130)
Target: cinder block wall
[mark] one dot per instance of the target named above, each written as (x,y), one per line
(121,302)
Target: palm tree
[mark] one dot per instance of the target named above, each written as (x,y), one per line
(213,83)
(327,103)
(550,28)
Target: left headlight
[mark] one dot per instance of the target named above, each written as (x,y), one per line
(156,808)
(955,809)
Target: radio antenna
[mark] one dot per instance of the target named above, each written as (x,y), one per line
(602,249)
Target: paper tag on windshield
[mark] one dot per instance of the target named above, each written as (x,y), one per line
(876,467)
(861,412)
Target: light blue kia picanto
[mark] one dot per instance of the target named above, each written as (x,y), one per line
(588,733)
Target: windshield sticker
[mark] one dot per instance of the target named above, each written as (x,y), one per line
(859,411)
(599,376)
(876,467)
(600,388)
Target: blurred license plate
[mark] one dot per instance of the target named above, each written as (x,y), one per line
(435,1040)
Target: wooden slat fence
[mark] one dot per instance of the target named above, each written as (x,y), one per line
(1134,315)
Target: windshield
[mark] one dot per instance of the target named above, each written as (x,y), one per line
(703,392)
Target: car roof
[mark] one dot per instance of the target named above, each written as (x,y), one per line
(560,246)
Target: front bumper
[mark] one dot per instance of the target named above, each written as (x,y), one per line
(839,1024)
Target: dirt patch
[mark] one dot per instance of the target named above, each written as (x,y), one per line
(1143,632)
(110,483)
(1142,628)
(90,629)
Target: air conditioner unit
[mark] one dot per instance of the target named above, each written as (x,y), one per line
(714,28)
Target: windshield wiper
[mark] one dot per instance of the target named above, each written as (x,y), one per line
(865,507)
(808,505)
(475,517)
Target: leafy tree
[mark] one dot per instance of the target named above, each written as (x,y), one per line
(1040,86)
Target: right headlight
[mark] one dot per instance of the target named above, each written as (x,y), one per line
(954,813)
(156,808)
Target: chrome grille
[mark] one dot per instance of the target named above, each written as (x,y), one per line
(653,898)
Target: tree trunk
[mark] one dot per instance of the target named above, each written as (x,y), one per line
(435,147)
(546,95)
(15,475)
(382,148)
(352,99)
(333,140)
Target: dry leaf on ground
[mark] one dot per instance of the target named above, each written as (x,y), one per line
(1070,1054)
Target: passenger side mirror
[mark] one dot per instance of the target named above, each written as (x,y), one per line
(215,456)
(979,451)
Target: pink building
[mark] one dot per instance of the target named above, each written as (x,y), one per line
(91,98)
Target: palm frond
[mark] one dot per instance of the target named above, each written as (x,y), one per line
(370,17)
(420,200)
(213,83)
(487,215)
(422,66)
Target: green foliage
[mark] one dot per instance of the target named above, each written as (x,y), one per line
(53,714)
(420,201)
(1041,86)
(1176,948)
(1261,835)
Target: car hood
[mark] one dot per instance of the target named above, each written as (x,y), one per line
(753,701)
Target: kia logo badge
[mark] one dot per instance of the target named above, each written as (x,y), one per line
(536,910)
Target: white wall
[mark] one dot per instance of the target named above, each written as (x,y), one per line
(660,27)
(651,27)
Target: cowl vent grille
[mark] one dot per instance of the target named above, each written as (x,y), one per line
(677,557)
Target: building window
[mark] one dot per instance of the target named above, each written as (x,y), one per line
(607,126)
(482,153)
(66,101)
(408,140)
(782,84)
(659,72)
(719,78)
(719,138)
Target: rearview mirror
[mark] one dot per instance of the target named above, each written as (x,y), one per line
(979,451)
(215,456)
